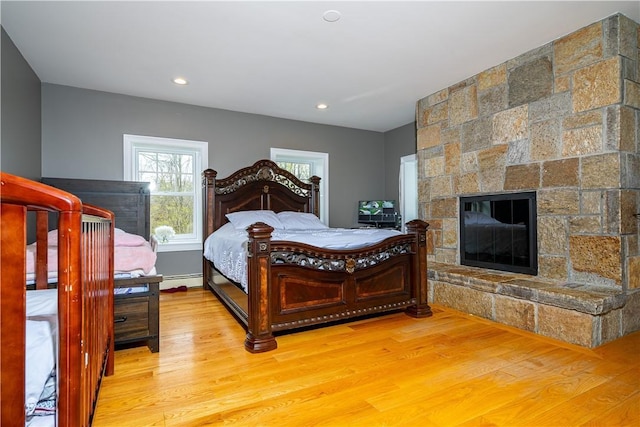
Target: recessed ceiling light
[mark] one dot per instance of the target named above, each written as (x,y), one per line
(180,81)
(331,16)
(322,106)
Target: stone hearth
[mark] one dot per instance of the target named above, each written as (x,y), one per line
(586,315)
(562,120)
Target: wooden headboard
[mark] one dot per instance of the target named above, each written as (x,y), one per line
(128,200)
(263,185)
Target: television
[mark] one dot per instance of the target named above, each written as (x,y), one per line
(380,213)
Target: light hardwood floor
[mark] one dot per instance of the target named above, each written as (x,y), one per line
(447,370)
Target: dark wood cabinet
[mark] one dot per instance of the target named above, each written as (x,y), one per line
(137,313)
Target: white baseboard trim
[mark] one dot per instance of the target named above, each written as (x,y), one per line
(189,280)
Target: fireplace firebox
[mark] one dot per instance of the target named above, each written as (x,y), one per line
(499,232)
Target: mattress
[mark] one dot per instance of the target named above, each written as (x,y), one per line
(227,246)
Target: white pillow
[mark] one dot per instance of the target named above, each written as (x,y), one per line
(243,219)
(300,221)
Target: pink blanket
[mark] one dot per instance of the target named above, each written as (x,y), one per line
(132,253)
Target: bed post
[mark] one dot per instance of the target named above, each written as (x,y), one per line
(315,195)
(259,335)
(208,198)
(419,269)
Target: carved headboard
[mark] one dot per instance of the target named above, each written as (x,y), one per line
(128,200)
(264,185)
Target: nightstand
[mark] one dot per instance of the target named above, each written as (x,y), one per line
(136,313)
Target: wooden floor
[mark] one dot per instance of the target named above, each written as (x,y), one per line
(447,370)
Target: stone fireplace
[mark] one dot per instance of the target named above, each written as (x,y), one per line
(561,121)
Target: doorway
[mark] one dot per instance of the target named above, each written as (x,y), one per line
(408,190)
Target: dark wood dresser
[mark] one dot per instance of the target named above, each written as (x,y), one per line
(137,314)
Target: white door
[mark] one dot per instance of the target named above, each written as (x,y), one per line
(408,189)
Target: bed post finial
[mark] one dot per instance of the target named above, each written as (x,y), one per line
(209,175)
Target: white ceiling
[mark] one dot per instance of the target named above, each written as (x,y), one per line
(281,58)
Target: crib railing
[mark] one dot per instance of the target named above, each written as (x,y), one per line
(85,295)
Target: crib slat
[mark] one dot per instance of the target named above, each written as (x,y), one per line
(42,261)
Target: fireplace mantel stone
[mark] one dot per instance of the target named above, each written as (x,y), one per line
(562,120)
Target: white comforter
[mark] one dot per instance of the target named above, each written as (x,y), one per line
(226,247)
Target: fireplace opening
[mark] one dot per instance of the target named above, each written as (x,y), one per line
(499,232)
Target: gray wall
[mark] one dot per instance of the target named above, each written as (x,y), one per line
(21,124)
(82,138)
(398,142)
(59,131)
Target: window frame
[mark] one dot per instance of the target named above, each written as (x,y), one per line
(320,162)
(133,143)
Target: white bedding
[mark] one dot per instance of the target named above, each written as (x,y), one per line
(226,247)
(40,356)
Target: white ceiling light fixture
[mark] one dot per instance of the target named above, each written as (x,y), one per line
(322,106)
(331,16)
(180,81)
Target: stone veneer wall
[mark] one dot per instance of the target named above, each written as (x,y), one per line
(562,120)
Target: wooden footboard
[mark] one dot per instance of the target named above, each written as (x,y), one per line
(84,292)
(295,285)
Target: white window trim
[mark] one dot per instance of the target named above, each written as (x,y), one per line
(408,189)
(132,142)
(321,159)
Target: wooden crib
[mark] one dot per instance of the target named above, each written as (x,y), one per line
(84,296)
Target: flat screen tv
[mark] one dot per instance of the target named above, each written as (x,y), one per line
(381,213)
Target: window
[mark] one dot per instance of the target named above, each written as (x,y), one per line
(172,167)
(305,164)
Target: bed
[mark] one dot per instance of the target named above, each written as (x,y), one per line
(130,203)
(137,282)
(78,312)
(292,285)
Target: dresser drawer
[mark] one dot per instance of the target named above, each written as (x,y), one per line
(131,317)
(136,312)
